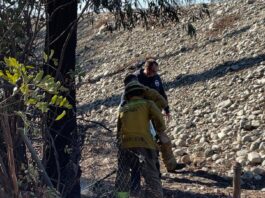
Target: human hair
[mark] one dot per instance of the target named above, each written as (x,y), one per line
(129,78)
(149,63)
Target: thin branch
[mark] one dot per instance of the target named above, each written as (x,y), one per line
(35,157)
(95,122)
(57,162)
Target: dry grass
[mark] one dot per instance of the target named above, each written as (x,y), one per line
(223,23)
(102,20)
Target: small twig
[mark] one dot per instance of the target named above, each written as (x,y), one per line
(35,157)
(95,122)
(57,162)
(103,178)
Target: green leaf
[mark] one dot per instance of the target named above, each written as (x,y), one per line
(12,62)
(45,57)
(32,101)
(29,67)
(55,62)
(68,106)
(51,54)
(24,88)
(63,102)
(43,106)
(59,100)
(59,117)
(63,89)
(53,100)
(38,77)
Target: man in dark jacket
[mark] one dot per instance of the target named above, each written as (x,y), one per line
(150,78)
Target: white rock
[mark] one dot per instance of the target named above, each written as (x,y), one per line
(179,152)
(254,158)
(186,159)
(225,104)
(221,135)
(242,153)
(180,142)
(261,81)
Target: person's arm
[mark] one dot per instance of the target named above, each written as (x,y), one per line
(156,97)
(118,137)
(157,118)
(163,93)
(122,101)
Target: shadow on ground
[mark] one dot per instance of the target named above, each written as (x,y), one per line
(216,72)
(202,178)
(104,189)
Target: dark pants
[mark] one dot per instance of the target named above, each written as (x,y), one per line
(146,166)
(136,176)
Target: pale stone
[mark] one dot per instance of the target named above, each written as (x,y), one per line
(254,157)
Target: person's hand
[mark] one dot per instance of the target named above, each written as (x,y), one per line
(168,117)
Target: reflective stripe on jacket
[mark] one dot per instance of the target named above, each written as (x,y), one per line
(133,123)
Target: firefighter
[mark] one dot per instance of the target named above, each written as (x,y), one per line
(137,148)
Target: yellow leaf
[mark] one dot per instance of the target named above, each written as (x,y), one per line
(32,101)
(29,67)
(59,117)
(12,78)
(24,88)
(12,62)
(63,102)
(54,98)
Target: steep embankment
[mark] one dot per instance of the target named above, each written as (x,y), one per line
(215,84)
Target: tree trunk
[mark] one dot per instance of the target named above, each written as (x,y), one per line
(62,152)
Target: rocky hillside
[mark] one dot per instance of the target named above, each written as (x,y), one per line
(215,85)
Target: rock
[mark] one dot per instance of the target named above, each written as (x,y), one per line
(246,138)
(254,158)
(254,145)
(248,175)
(186,159)
(222,134)
(255,123)
(179,152)
(178,129)
(225,104)
(261,81)
(262,146)
(208,152)
(241,160)
(215,157)
(251,1)
(190,124)
(242,153)
(258,170)
(180,142)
